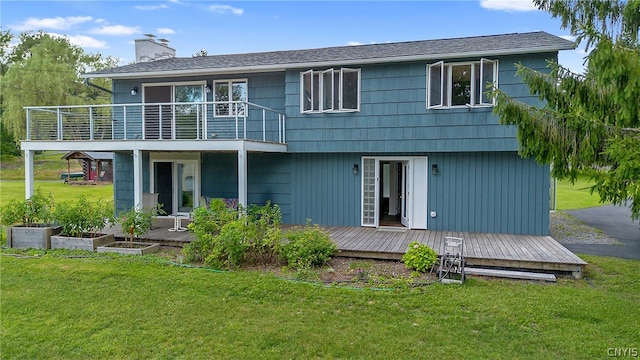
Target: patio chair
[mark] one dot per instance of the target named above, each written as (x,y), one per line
(451,269)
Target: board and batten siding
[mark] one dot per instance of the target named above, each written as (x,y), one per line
(393,116)
(489,192)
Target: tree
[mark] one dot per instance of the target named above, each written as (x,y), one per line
(44,70)
(590,122)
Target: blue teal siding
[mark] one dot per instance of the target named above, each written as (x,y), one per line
(325,190)
(491,192)
(393,115)
(123,180)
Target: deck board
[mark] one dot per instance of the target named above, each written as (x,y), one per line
(484,249)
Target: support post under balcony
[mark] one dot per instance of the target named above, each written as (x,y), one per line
(137,179)
(242,177)
(28,173)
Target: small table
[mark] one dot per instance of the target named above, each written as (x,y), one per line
(177,223)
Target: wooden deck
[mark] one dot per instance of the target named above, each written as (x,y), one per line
(480,249)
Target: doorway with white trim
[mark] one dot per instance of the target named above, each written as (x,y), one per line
(175,178)
(394,192)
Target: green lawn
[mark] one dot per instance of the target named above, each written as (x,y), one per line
(69,307)
(48,166)
(576,196)
(14,189)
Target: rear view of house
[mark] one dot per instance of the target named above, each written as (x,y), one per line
(395,134)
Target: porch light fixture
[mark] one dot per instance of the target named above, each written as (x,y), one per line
(434,169)
(134,91)
(207,89)
(355,169)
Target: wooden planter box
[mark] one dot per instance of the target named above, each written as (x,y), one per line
(122,247)
(24,237)
(78,243)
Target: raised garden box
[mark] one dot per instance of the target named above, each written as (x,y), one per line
(126,247)
(80,243)
(24,237)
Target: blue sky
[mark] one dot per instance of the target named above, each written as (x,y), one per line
(223,27)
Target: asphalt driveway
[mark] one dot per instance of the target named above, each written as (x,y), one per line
(614,221)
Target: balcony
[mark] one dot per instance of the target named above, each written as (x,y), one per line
(232,120)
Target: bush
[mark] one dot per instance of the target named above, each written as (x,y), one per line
(419,257)
(37,210)
(308,246)
(84,216)
(225,238)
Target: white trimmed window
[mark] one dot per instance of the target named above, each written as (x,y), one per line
(230,96)
(460,84)
(330,90)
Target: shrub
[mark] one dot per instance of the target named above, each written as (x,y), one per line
(308,246)
(136,222)
(226,237)
(419,257)
(36,210)
(84,216)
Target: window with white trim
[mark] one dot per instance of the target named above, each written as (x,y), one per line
(230,96)
(460,84)
(330,90)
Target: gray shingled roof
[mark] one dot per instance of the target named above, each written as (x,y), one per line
(344,55)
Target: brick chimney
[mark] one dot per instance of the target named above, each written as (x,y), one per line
(149,49)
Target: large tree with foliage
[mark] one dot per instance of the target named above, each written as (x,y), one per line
(44,70)
(591,122)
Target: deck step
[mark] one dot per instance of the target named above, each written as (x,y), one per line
(522,275)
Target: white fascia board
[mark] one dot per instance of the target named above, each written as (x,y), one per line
(284,67)
(150,145)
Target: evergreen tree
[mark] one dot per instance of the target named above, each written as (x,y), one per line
(591,122)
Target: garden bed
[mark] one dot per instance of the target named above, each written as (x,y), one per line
(130,248)
(80,243)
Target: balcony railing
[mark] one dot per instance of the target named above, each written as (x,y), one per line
(156,121)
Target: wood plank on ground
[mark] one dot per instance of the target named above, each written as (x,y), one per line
(522,275)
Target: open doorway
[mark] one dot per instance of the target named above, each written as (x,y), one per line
(394,192)
(390,193)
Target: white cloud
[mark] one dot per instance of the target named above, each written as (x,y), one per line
(165,31)
(509,5)
(83,41)
(354,43)
(224,9)
(568,37)
(116,30)
(87,42)
(57,23)
(151,7)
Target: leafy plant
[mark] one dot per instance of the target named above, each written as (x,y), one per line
(207,223)
(137,222)
(308,246)
(84,216)
(420,257)
(225,237)
(37,210)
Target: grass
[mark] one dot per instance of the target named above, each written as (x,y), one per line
(576,196)
(48,166)
(61,192)
(59,306)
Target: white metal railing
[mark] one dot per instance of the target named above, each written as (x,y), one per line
(156,121)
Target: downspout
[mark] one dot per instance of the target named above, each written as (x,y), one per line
(86,82)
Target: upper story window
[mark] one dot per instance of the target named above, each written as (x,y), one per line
(230,96)
(330,90)
(460,84)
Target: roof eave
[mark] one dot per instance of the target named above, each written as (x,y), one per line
(284,67)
